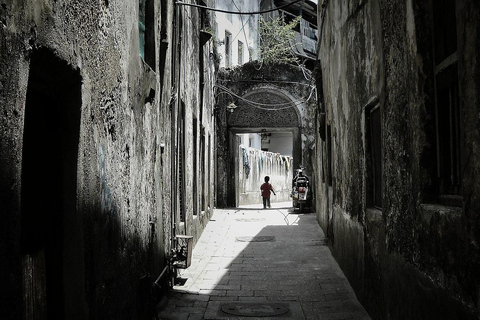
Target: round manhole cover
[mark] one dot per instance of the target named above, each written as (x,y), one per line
(255,239)
(255,309)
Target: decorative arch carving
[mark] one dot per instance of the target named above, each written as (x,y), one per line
(283,113)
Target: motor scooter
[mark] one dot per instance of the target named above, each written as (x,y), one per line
(300,190)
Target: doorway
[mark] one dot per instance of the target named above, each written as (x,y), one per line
(51,227)
(263,152)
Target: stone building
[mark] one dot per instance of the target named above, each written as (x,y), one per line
(106,152)
(397,160)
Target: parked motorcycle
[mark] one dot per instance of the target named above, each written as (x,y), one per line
(300,190)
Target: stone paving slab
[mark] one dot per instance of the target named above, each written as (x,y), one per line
(262,257)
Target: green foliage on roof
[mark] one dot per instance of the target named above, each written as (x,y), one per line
(276,40)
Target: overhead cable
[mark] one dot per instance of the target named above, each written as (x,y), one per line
(235,12)
(270,81)
(265,106)
(243,25)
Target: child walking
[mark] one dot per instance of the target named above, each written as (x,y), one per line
(266,188)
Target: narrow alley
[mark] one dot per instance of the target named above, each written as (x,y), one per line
(252,263)
(130,129)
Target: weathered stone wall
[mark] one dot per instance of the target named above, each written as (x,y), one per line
(350,81)
(196,95)
(115,226)
(414,257)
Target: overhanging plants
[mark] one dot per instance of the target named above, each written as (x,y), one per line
(276,40)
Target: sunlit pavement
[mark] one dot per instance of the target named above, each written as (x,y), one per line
(255,263)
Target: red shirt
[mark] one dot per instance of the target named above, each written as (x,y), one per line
(266,187)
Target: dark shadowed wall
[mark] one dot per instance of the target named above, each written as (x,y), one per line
(396,159)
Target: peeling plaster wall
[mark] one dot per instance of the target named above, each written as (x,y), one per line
(122,222)
(413,258)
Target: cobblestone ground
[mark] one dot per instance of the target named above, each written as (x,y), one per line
(252,263)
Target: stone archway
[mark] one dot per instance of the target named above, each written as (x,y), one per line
(263,109)
(268,109)
(273,98)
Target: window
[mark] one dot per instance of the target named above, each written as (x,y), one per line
(329,156)
(209,166)
(195,166)
(162,59)
(447,102)
(228,49)
(240,52)
(374,156)
(141,27)
(181,163)
(215,26)
(203,170)
(146,30)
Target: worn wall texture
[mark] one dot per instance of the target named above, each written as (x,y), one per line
(195,132)
(414,252)
(272,98)
(88,141)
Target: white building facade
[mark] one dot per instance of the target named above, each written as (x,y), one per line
(236,34)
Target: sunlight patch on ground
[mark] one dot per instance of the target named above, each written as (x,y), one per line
(221,238)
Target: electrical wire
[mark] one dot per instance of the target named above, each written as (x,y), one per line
(225,92)
(235,12)
(243,25)
(270,81)
(258,104)
(264,106)
(242,29)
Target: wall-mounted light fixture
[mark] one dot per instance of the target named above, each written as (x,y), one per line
(231,107)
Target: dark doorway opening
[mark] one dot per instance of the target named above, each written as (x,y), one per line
(52,234)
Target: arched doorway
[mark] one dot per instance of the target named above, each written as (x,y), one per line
(268,98)
(263,110)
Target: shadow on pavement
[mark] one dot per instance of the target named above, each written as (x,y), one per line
(264,264)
